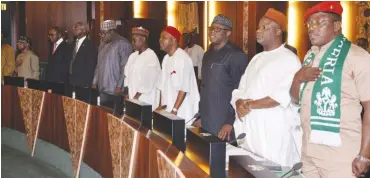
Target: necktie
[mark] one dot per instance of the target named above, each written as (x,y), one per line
(54,47)
(73,59)
(75,49)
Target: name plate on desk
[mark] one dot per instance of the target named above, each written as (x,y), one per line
(170,126)
(140,111)
(34,84)
(15,81)
(206,150)
(85,94)
(53,87)
(246,166)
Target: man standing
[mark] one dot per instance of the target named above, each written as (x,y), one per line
(222,67)
(114,51)
(330,88)
(7,58)
(84,58)
(27,63)
(142,70)
(60,57)
(178,85)
(195,52)
(263,102)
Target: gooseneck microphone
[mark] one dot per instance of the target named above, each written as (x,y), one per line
(295,167)
(240,136)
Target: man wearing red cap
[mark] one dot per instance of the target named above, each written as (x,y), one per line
(330,88)
(262,101)
(178,85)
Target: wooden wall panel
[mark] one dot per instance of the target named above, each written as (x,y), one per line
(231,10)
(154,10)
(41,15)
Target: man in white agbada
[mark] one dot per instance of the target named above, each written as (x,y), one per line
(179,91)
(195,52)
(142,70)
(262,101)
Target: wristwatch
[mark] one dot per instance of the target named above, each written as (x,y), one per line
(363,159)
(174,109)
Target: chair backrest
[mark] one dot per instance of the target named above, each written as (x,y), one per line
(43,67)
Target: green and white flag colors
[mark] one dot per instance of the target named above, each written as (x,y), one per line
(326,94)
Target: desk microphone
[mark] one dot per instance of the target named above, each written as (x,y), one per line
(295,167)
(240,136)
(196,117)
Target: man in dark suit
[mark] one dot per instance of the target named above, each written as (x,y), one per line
(84,58)
(60,56)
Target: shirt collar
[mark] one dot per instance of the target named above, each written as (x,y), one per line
(82,39)
(317,49)
(59,41)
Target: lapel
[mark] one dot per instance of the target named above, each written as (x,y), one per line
(59,46)
(81,47)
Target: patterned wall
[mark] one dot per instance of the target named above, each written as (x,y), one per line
(245,27)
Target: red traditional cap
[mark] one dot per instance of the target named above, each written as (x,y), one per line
(329,6)
(277,16)
(173,31)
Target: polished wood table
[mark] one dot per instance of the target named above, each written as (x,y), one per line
(112,146)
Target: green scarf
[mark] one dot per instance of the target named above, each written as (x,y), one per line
(326,94)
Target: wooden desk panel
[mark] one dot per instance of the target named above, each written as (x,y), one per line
(52,125)
(11,112)
(97,148)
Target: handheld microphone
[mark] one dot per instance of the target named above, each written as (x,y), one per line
(295,167)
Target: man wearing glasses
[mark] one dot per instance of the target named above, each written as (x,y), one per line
(330,88)
(113,54)
(27,63)
(222,67)
(61,54)
(263,102)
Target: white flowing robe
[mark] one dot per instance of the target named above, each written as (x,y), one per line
(178,75)
(274,132)
(142,73)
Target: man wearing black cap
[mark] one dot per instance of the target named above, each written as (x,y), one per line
(222,67)
(27,63)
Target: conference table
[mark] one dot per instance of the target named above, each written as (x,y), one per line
(84,139)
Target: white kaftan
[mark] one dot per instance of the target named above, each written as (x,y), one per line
(196,54)
(178,75)
(142,73)
(273,132)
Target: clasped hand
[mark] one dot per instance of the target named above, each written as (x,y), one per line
(242,108)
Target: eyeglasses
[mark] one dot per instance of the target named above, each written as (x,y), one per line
(216,29)
(316,24)
(51,34)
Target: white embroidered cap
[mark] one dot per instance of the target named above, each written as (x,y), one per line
(108,25)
